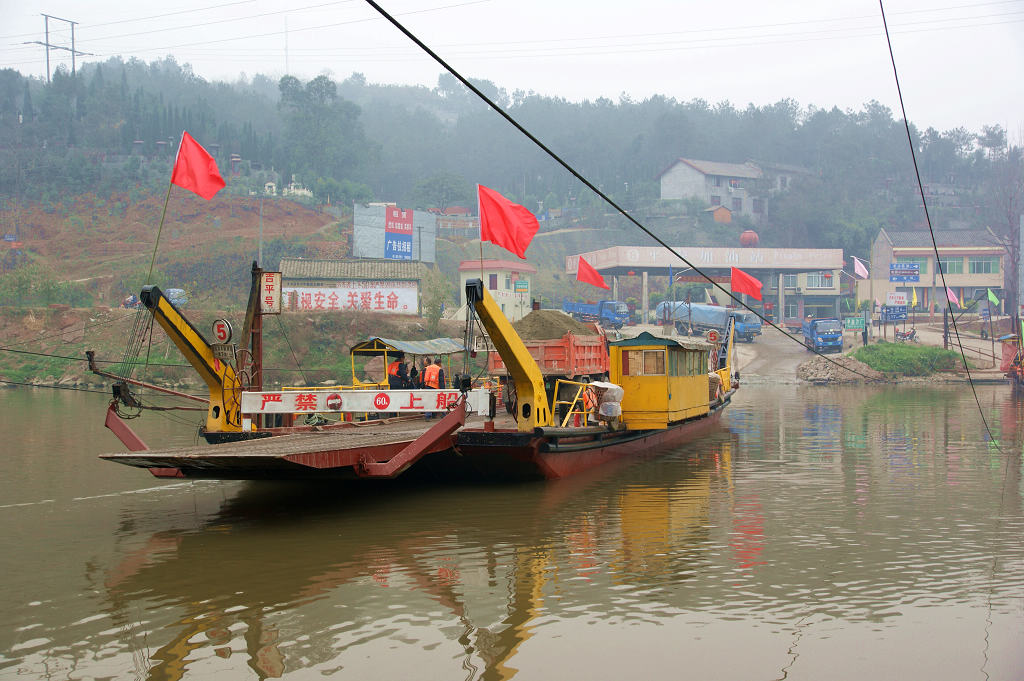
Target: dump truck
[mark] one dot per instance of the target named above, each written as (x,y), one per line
(823,335)
(580,358)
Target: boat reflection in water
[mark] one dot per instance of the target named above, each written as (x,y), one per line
(285,581)
(872,530)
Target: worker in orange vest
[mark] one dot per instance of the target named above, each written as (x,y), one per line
(397,373)
(433,375)
(433,379)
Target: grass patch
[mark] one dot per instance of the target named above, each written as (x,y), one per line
(908,360)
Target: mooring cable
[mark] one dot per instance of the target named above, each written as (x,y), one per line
(931,231)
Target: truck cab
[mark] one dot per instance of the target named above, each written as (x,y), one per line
(823,335)
(748,324)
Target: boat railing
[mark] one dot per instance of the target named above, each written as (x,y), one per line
(381,385)
(576,406)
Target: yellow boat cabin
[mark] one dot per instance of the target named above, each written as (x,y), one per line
(664,380)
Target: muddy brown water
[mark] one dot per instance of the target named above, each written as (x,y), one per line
(821,533)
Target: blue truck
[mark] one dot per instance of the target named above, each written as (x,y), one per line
(700,318)
(606,312)
(823,335)
(748,324)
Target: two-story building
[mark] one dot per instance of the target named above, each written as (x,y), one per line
(508,282)
(971,260)
(733,185)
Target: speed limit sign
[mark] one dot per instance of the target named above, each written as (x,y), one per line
(222,331)
(712,336)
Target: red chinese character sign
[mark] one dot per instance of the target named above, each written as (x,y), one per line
(397,233)
(361,401)
(393,297)
(270,293)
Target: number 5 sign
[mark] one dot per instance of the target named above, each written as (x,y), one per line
(222,331)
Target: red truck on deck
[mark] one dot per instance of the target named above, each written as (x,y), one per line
(583,358)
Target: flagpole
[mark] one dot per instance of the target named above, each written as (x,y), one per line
(481,214)
(156,243)
(991,335)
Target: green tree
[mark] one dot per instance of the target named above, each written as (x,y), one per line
(442,190)
(437,294)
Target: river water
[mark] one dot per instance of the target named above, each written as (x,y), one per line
(821,533)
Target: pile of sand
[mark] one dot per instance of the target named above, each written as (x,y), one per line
(849,370)
(550,324)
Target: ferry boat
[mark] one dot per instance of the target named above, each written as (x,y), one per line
(661,392)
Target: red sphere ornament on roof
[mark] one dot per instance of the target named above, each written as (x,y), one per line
(749,239)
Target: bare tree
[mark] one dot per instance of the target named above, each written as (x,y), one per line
(1006,203)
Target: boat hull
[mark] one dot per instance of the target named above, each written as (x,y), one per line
(509,455)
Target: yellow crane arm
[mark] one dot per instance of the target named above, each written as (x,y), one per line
(532,408)
(223,415)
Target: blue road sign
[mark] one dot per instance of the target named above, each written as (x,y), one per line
(904,272)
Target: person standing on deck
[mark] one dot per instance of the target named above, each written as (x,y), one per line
(397,373)
(433,378)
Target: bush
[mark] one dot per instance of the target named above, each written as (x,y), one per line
(908,360)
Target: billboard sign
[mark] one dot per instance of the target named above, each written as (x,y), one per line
(397,233)
(385,231)
(521,286)
(896,299)
(394,297)
(904,272)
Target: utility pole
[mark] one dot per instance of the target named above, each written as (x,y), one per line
(50,46)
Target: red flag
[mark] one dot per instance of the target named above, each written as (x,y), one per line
(741,282)
(586,273)
(195,170)
(504,223)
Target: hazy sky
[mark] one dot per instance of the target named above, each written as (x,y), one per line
(959,62)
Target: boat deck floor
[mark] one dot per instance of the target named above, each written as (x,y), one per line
(334,448)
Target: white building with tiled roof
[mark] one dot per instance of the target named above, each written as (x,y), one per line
(973,262)
(508,281)
(733,185)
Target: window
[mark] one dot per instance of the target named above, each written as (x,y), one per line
(758,206)
(921,262)
(820,280)
(737,205)
(734,183)
(951,265)
(643,363)
(716,181)
(492,282)
(508,281)
(716,200)
(983,265)
(783,181)
(792,310)
(654,362)
(789,280)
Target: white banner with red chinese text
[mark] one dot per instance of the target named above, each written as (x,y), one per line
(395,297)
(360,401)
(270,293)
